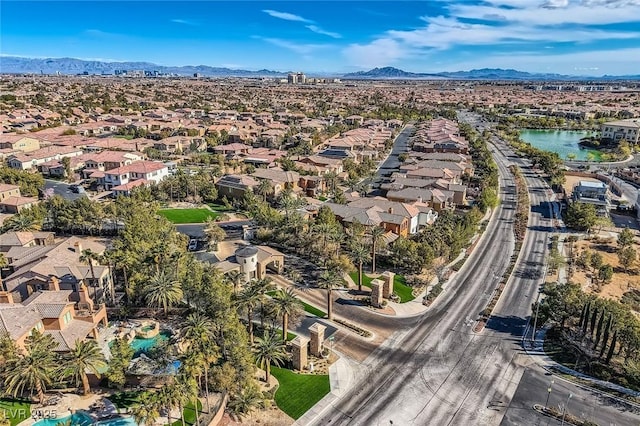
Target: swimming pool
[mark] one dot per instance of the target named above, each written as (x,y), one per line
(141,346)
(76,419)
(83,419)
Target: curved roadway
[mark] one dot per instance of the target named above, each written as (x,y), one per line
(438,371)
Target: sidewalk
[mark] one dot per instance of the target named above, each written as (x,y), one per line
(536,351)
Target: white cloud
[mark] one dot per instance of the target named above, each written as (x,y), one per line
(300,48)
(552,12)
(316,29)
(286,16)
(379,53)
(595,62)
(185,22)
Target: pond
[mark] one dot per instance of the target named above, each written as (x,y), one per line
(564,142)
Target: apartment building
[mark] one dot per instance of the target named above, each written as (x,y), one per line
(628,130)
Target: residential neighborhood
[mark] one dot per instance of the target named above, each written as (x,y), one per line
(250,243)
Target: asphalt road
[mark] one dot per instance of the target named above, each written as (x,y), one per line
(392,163)
(62,189)
(439,371)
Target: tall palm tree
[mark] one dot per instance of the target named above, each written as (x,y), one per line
(262,287)
(146,412)
(264,188)
(214,233)
(88,256)
(3,263)
(108,259)
(236,278)
(248,299)
(286,304)
(86,356)
(359,255)
(168,397)
(377,239)
(330,280)
(270,350)
(163,291)
(33,370)
(198,332)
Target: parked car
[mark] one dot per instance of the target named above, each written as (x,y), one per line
(193,245)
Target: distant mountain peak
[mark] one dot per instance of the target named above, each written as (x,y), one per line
(19,65)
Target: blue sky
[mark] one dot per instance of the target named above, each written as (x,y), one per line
(585,37)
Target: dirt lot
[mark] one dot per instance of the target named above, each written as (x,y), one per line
(621,282)
(571,181)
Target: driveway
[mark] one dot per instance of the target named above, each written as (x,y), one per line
(62,189)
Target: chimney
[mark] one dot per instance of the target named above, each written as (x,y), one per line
(85,300)
(6,297)
(54,283)
(390,210)
(78,247)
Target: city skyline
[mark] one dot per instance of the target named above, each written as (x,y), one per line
(582,37)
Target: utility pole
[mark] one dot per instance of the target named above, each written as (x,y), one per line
(548,394)
(564,410)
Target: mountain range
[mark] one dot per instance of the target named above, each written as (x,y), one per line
(20,65)
(476,74)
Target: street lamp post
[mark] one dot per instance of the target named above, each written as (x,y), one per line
(564,411)
(546,404)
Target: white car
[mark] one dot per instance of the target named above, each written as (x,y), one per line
(193,244)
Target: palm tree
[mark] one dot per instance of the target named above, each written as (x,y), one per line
(377,239)
(236,278)
(359,255)
(86,356)
(3,263)
(35,369)
(22,222)
(270,350)
(162,291)
(286,304)
(168,397)
(262,287)
(248,299)
(88,256)
(146,411)
(330,280)
(214,233)
(246,401)
(264,188)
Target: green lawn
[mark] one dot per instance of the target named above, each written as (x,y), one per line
(297,393)
(14,411)
(189,414)
(399,286)
(313,310)
(220,207)
(307,307)
(366,281)
(187,215)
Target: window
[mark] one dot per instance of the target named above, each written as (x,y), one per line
(67,318)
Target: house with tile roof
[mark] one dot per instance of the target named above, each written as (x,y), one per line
(29,268)
(65,315)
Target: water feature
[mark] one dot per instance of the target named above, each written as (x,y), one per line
(83,419)
(141,346)
(564,142)
(76,419)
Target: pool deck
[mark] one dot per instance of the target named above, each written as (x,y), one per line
(64,407)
